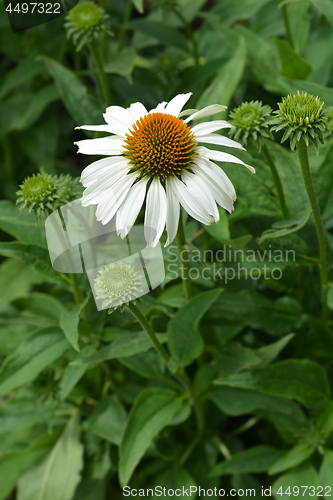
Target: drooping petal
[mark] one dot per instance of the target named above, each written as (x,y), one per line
(219,156)
(220,140)
(105,180)
(207,111)
(130,208)
(209,127)
(177,103)
(187,112)
(103,146)
(155,216)
(217,174)
(189,202)
(97,168)
(113,198)
(202,193)
(173,212)
(211,179)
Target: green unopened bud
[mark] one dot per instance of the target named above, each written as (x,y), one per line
(250,121)
(301,115)
(85,22)
(45,193)
(117,284)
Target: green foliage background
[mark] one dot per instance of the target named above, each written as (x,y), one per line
(86,404)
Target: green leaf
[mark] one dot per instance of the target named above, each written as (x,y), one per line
(256,459)
(303,380)
(16,279)
(73,374)
(22,227)
(57,477)
(108,420)
(41,305)
(220,231)
(152,411)
(234,357)
(301,477)
(287,227)
(227,80)
(165,34)
(299,24)
(148,364)
(325,7)
(128,345)
(138,4)
(79,104)
(326,470)
(122,63)
(184,340)
(36,257)
(270,352)
(22,73)
(293,458)
(174,479)
(325,421)
(30,358)
(11,467)
(292,65)
(69,322)
(330,298)
(230,11)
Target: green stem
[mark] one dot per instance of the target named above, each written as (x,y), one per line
(184,259)
(123,29)
(102,76)
(150,332)
(190,33)
(277,181)
(304,161)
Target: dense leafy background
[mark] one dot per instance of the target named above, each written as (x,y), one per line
(86,404)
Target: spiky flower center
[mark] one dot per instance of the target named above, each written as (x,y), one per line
(116,281)
(160,144)
(38,187)
(301,109)
(86,15)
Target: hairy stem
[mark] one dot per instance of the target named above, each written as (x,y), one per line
(304,162)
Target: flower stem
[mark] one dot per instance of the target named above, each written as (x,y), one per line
(148,329)
(284,11)
(123,29)
(183,255)
(304,162)
(277,181)
(102,76)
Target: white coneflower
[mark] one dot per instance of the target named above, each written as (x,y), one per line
(156,156)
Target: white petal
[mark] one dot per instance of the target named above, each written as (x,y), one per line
(137,110)
(160,108)
(155,216)
(207,111)
(173,212)
(102,146)
(202,193)
(187,112)
(209,127)
(219,156)
(189,202)
(100,128)
(220,140)
(96,168)
(105,179)
(177,103)
(117,114)
(113,198)
(218,192)
(217,175)
(130,208)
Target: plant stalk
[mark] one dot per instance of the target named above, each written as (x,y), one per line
(304,162)
(277,181)
(184,259)
(102,76)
